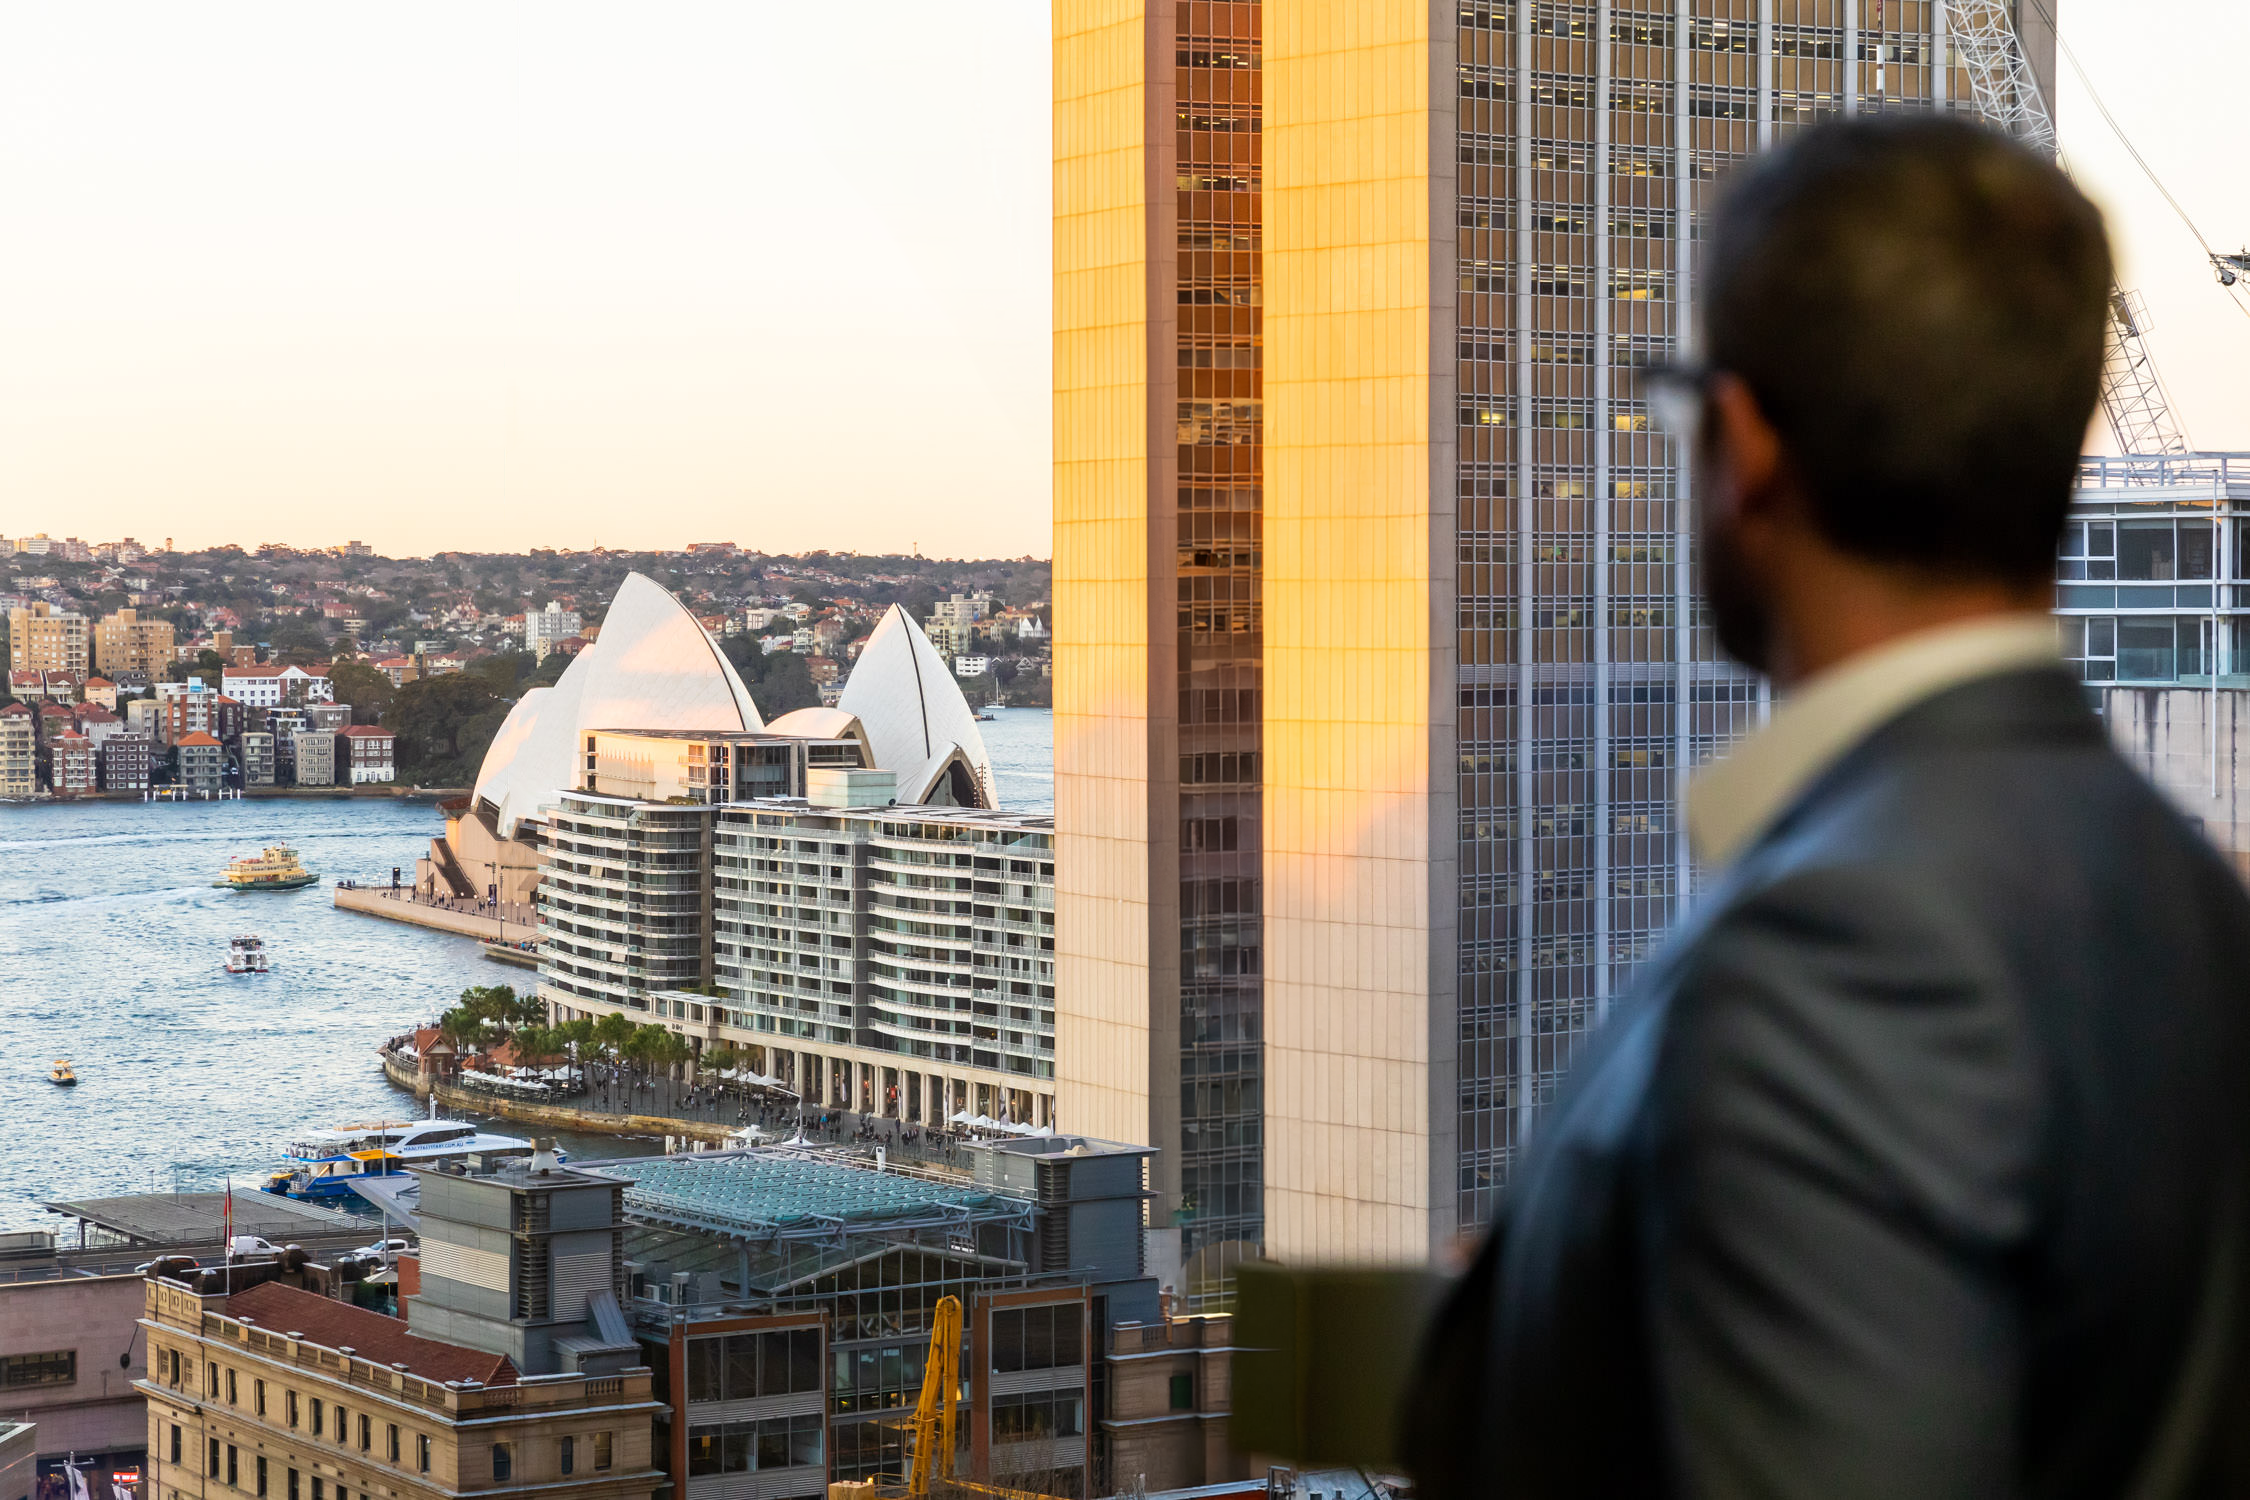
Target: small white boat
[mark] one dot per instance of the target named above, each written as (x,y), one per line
(247,955)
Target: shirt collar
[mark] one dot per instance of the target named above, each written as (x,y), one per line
(1731,801)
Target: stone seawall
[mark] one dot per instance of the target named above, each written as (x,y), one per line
(377,901)
(561,1116)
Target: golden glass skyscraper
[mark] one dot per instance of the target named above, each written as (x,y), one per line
(1378,664)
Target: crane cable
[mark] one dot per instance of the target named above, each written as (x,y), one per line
(2131,150)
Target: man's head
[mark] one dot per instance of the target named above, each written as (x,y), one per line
(1903,319)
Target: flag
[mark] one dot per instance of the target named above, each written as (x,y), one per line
(77,1482)
(229,1224)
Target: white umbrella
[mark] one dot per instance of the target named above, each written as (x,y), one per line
(960,1117)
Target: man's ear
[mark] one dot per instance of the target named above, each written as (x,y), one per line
(1745,447)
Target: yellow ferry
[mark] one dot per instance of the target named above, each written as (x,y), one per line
(276,869)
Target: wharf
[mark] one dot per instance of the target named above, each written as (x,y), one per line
(560,1116)
(471,919)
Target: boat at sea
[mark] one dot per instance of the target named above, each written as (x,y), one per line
(276,868)
(62,1074)
(325,1163)
(247,955)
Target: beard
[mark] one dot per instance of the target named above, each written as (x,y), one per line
(1740,618)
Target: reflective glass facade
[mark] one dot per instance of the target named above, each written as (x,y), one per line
(1439,669)
(1219,631)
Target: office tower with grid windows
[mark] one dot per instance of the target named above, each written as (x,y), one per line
(1379,669)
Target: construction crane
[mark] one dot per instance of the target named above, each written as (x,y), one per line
(941,1387)
(2007,96)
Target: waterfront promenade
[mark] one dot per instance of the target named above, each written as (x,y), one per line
(619,1101)
(510,922)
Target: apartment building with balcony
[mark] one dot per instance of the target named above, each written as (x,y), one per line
(42,638)
(624,903)
(19,751)
(124,642)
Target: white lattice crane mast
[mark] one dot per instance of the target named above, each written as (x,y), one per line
(2007,96)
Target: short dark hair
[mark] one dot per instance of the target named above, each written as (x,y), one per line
(1919,305)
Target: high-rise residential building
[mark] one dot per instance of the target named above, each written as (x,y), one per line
(42,638)
(1378,665)
(124,642)
(544,629)
(895,960)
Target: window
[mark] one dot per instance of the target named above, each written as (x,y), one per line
(601,1451)
(292,1405)
(366,1433)
(343,1427)
(503,1462)
(258,1397)
(316,1487)
(2144,551)
(390,1442)
(1038,1416)
(293,1485)
(316,1416)
(261,1474)
(422,1452)
(1183,1393)
(172,1366)
(21,1371)
(234,1473)
(212,1466)
(210,1380)
(175,1442)
(2144,649)
(1037,1338)
(232,1399)
(742,1447)
(569,1455)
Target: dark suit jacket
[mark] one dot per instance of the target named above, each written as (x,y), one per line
(1911,1167)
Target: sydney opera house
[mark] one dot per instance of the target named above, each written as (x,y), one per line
(655,670)
(836,895)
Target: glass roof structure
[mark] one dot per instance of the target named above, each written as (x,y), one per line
(790,1195)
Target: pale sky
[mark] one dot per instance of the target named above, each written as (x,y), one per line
(498,275)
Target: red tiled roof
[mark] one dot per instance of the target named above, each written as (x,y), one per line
(369,1335)
(198,737)
(367,731)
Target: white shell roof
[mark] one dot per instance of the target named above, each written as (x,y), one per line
(653,667)
(913,712)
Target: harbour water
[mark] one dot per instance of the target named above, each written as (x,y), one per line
(112,941)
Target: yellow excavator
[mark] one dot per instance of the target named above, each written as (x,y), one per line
(934,1415)
(941,1385)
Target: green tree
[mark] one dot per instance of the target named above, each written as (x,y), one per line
(612,1033)
(443,726)
(368,691)
(464,1028)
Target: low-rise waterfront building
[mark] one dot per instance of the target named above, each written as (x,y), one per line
(71,765)
(124,762)
(102,692)
(255,749)
(365,755)
(274,686)
(313,757)
(19,751)
(199,763)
